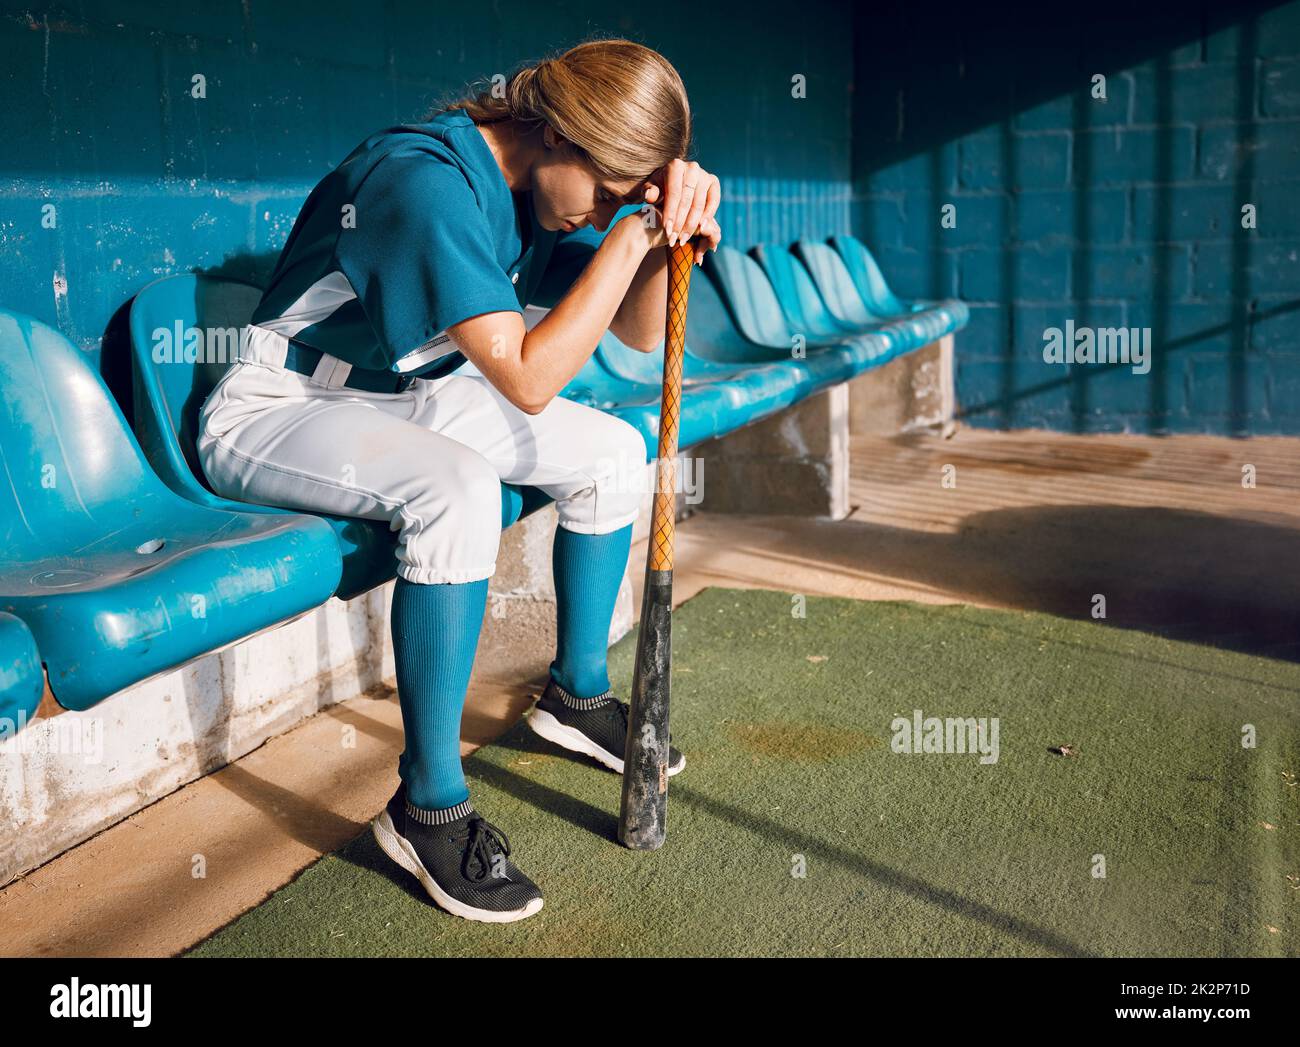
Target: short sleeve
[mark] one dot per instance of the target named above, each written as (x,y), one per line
(569,257)
(420,257)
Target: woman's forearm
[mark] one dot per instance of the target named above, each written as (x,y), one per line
(639,322)
(563,340)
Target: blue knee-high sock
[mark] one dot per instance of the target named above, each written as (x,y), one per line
(435,634)
(588,569)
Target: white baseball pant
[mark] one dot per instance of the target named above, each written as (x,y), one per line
(429,460)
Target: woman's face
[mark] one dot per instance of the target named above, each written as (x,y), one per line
(567,193)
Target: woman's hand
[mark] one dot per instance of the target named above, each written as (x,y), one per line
(687,197)
(651,233)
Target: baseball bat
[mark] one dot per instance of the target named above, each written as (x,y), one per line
(643,812)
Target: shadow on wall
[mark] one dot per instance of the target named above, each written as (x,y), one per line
(1122,211)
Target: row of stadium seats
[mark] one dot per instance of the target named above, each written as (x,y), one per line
(121,564)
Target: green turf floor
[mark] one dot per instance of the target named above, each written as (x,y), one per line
(785,721)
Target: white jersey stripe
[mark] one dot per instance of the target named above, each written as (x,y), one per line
(321,300)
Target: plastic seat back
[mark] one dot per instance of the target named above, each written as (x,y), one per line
(70,465)
(751,297)
(184,335)
(797,293)
(835,283)
(867,277)
(712,332)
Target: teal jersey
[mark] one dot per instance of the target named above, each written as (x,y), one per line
(415,231)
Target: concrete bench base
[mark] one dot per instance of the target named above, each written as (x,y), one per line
(792,463)
(796,463)
(911,392)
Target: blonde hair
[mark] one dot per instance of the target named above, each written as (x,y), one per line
(622,105)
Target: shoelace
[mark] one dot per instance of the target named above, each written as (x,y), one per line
(623,710)
(485,841)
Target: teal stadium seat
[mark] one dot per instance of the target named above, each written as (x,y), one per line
(717,397)
(22,681)
(748,327)
(833,282)
(875,293)
(765,317)
(117,576)
(841,307)
(168,395)
(739,365)
(728,381)
(805,310)
(623,382)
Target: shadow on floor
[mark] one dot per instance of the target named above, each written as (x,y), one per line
(1201,577)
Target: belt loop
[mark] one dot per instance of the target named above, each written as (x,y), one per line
(331,372)
(260,346)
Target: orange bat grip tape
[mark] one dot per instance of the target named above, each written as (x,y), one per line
(681,260)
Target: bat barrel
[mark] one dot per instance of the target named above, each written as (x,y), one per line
(643,817)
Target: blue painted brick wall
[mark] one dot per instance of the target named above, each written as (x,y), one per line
(1118,212)
(97,120)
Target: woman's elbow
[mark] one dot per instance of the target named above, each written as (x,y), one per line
(531,406)
(642,340)
(646,345)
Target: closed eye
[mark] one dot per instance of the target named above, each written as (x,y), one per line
(617,197)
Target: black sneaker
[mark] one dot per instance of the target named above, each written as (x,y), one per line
(461,859)
(595,727)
